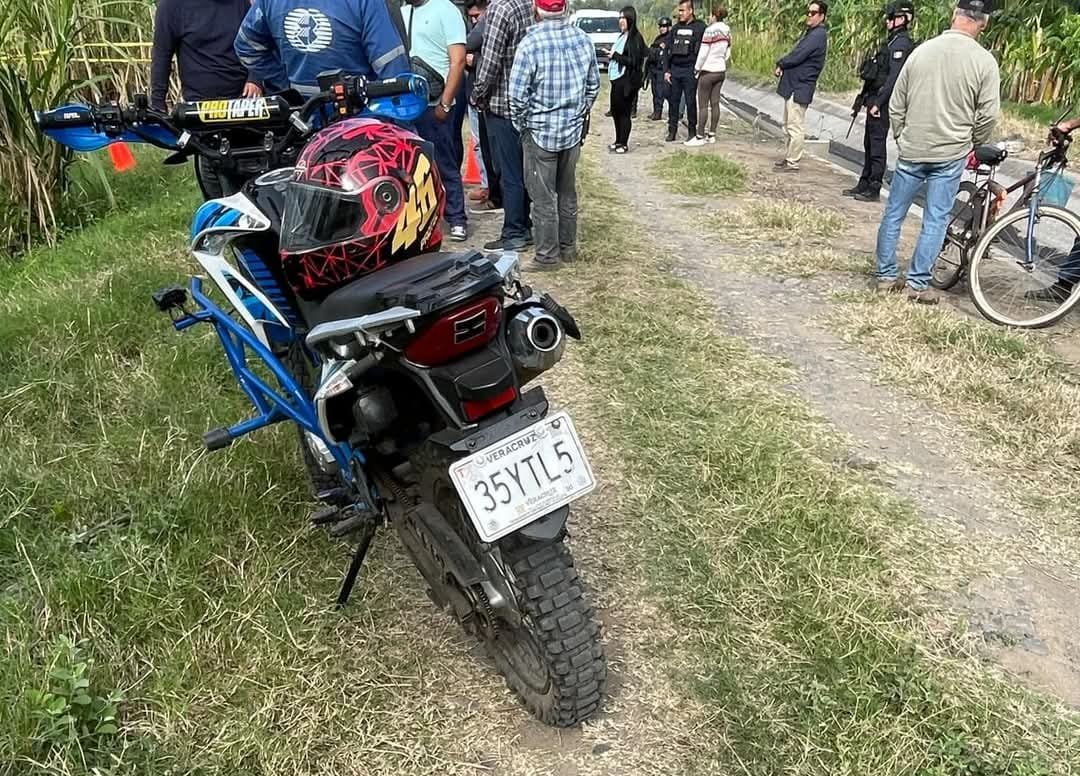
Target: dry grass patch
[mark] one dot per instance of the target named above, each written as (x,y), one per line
(1020,399)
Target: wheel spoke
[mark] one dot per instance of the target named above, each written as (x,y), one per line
(1014,287)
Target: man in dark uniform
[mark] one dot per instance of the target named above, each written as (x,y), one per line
(879,74)
(680,56)
(654,66)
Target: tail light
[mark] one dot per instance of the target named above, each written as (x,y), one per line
(457,333)
(477,409)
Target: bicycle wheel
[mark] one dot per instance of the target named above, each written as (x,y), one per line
(1011,290)
(950,264)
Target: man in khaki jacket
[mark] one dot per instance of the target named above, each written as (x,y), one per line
(946,101)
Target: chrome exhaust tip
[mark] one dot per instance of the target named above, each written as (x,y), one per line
(536,340)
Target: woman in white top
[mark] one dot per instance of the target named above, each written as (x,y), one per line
(710,68)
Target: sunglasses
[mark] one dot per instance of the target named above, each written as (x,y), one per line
(813,13)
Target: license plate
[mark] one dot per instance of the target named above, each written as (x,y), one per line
(521,478)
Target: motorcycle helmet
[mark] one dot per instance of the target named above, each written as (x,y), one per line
(364,194)
(663,21)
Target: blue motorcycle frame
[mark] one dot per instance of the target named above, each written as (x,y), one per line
(266,317)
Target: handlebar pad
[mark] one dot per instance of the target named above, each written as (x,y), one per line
(226,114)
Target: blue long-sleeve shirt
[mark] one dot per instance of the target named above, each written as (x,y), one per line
(289,42)
(553,84)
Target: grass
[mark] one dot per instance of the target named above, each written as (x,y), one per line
(806,645)
(689,173)
(780,220)
(786,237)
(192,584)
(1020,399)
(786,592)
(1043,115)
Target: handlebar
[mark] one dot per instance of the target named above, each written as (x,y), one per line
(347,94)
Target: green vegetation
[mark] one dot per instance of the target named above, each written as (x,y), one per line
(689,173)
(164,611)
(1035,42)
(50,52)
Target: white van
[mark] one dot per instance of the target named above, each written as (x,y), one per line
(602,27)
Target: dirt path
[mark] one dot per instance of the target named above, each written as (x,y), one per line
(1015,587)
(647,726)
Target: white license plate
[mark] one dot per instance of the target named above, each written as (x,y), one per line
(521,478)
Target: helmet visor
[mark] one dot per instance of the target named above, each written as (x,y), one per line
(315,217)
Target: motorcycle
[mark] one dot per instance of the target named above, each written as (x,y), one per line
(407,384)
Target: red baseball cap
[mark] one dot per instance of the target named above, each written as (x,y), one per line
(551,6)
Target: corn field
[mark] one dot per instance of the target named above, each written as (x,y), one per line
(52,51)
(1037,42)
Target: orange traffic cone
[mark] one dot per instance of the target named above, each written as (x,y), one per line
(122,158)
(472,167)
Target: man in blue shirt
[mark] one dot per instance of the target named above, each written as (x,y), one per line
(287,43)
(553,85)
(436,34)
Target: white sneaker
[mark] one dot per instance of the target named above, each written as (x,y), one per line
(710,138)
(695,142)
(458,234)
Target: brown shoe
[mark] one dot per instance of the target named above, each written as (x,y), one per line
(922,295)
(479,195)
(889,286)
(540,265)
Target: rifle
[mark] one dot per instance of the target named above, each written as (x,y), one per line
(856,109)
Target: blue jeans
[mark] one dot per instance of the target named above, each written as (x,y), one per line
(441,135)
(942,181)
(510,169)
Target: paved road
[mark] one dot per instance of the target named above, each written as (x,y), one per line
(829,121)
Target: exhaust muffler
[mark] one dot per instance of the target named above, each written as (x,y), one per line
(536,341)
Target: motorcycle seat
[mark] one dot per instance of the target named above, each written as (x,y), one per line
(426,283)
(990,155)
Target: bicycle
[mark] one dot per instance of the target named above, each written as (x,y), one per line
(1037,266)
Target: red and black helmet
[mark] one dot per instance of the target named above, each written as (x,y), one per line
(365,193)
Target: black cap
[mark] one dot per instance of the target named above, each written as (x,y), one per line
(663,21)
(979,6)
(900,8)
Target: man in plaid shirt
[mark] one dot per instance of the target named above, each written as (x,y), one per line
(507,21)
(553,85)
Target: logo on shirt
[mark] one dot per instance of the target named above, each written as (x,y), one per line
(308,30)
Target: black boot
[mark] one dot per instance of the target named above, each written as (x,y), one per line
(867,195)
(857,189)
(671,137)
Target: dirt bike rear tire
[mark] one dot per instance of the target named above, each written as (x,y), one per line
(559,626)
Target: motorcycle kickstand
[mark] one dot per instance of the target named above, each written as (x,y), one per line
(367,533)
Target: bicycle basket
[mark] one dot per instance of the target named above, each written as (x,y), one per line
(1056,188)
